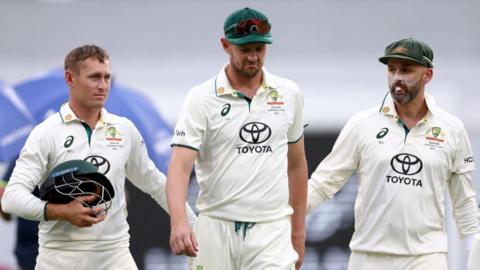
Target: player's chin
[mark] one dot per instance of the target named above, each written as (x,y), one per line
(401,98)
(251,71)
(98,103)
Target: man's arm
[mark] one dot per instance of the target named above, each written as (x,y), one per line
(297,183)
(182,238)
(335,169)
(5,216)
(28,171)
(464,205)
(142,172)
(474,259)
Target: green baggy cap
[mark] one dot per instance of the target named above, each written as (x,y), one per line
(410,49)
(247,25)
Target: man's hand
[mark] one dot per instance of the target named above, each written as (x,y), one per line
(183,240)
(76,213)
(298,190)
(474,258)
(298,242)
(5,216)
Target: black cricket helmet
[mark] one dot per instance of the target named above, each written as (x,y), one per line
(74,178)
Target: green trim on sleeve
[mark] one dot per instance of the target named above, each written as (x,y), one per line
(45,211)
(185,146)
(296,139)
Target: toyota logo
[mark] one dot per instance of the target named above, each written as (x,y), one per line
(100,162)
(406,164)
(255,132)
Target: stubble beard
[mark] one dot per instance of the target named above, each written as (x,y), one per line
(245,72)
(410,93)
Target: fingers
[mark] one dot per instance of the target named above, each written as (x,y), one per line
(98,210)
(94,220)
(5,216)
(298,264)
(298,242)
(88,220)
(184,244)
(84,216)
(178,247)
(191,247)
(87,198)
(194,242)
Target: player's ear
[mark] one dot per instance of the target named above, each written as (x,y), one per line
(427,77)
(225,45)
(68,77)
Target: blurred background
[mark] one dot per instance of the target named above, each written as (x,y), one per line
(330,48)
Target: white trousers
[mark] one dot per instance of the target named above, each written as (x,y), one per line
(52,259)
(230,245)
(382,261)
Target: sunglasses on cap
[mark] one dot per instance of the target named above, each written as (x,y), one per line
(249,26)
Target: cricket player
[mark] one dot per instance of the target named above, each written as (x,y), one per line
(243,129)
(407,153)
(72,236)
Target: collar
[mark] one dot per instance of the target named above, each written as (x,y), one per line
(67,115)
(388,107)
(223,87)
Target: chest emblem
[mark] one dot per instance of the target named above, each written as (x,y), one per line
(102,164)
(254,134)
(435,134)
(273,98)
(68,141)
(111,134)
(225,109)
(113,138)
(405,166)
(382,133)
(275,101)
(435,138)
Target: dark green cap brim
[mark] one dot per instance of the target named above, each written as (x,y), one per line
(384,59)
(252,38)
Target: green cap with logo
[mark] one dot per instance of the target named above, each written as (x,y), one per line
(409,49)
(247,25)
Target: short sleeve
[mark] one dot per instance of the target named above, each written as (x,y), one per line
(191,124)
(463,160)
(295,130)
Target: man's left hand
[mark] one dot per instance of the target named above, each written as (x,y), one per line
(5,216)
(298,242)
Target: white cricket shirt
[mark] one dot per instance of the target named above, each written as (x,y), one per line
(242,146)
(115,146)
(402,179)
